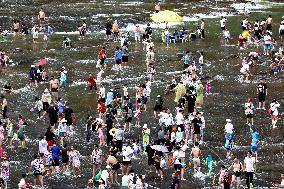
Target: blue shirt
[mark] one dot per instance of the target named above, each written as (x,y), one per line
(186,59)
(118,54)
(55,151)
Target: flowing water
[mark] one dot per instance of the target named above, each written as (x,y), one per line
(222,64)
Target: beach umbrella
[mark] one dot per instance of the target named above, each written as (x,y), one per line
(41,62)
(160,148)
(166,16)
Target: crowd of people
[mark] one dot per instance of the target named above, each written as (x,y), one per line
(175,143)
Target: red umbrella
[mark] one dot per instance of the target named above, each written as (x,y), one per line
(41,62)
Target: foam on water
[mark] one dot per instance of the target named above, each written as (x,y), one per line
(22,90)
(87,61)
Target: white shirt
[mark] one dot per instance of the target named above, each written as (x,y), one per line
(223,22)
(249,164)
(274,108)
(267,39)
(173,136)
(103,92)
(169,120)
(179,136)
(183,149)
(245,68)
(105,175)
(200,60)
(281,27)
(22,184)
(42,144)
(125,91)
(126,151)
(177,155)
(179,118)
(229,128)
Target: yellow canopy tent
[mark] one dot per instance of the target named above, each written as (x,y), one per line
(166,16)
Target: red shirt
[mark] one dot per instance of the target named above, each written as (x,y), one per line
(102,107)
(91,80)
(102,54)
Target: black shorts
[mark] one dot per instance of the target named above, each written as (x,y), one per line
(255,57)
(281,32)
(118,61)
(69,121)
(261,97)
(126,162)
(108,32)
(102,61)
(37,174)
(269,27)
(158,108)
(124,58)
(116,166)
(177,166)
(223,28)
(237,174)
(249,115)
(158,165)
(181,127)
(128,119)
(54,90)
(21,137)
(144,100)
(93,86)
(65,160)
(16,30)
(53,121)
(55,162)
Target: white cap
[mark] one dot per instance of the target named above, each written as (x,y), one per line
(228,120)
(145,126)
(159,96)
